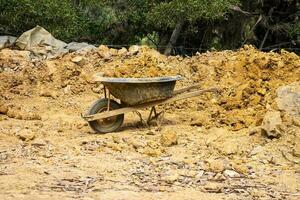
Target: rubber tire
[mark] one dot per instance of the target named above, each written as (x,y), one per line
(98,105)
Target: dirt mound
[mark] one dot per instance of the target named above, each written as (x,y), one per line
(249,78)
(212,143)
(147,63)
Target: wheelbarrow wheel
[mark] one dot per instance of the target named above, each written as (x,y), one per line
(109,124)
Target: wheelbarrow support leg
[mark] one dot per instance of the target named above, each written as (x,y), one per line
(140,116)
(156,115)
(108,102)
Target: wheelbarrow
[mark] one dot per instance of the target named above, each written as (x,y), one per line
(132,94)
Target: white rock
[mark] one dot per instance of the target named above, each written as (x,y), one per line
(79,60)
(133,50)
(231,174)
(272,123)
(289,98)
(7,41)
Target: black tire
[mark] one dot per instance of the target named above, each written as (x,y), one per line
(115,122)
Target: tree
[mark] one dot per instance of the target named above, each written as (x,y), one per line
(58,16)
(174,14)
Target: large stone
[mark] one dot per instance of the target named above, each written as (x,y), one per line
(7,41)
(216,166)
(79,60)
(25,135)
(39,41)
(122,52)
(231,174)
(296,150)
(168,138)
(271,124)
(133,50)
(82,47)
(289,98)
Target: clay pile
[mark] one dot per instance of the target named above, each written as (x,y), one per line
(248,77)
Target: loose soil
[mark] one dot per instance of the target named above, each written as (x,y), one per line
(207,147)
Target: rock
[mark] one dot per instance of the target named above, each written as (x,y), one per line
(229,147)
(7,41)
(114,146)
(122,52)
(68,89)
(25,135)
(113,52)
(288,98)
(257,194)
(231,174)
(15,55)
(137,144)
(296,121)
(48,93)
(152,152)
(79,60)
(271,124)
(240,168)
(200,118)
(117,139)
(105,55)
(39,41)
(171,178)
(133,50)
(14,114)
(200,174)
(103,48)
(213,187)
(296,150)
(168,138)
(3,109)
(256,150)
(81,47)
(31,116)
(216,166)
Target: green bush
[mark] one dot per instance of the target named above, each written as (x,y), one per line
(58,16)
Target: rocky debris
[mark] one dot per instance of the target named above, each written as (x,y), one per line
(25,135)
(122,52)
(79,60)
(256,150)
(80,47)
(168,138)
(296,150)
(212,131)
(147,63)
(153,152)
(7,41)
(48,93)
(231,174)
(104,52)
(216,165)
(248,83)
(271,124)
(133,50)
(288,98)
(19,114)
(3,109)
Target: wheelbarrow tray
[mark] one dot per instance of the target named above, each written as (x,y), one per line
(134,91)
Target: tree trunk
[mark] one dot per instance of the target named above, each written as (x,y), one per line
(174,37)
(76,2)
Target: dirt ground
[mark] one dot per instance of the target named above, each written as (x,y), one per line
(207,147)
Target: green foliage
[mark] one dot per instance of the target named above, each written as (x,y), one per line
(57,16)
(207,23)
(167,14)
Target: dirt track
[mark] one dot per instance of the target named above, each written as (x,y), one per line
(209,147)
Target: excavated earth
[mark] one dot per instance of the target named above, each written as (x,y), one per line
(239,144)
